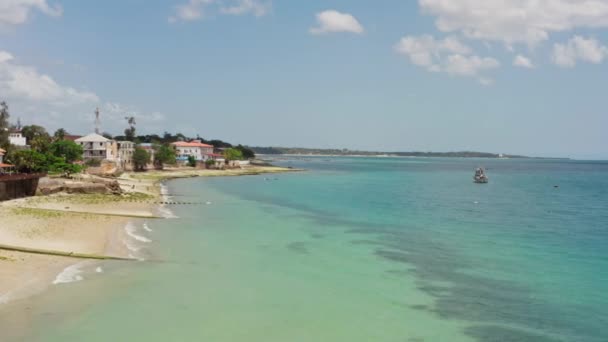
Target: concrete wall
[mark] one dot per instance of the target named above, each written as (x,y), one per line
(17,186)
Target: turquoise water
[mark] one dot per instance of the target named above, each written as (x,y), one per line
(359,249)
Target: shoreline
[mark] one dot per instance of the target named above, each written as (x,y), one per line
(81,224)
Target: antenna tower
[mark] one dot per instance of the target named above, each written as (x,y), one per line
(97,121)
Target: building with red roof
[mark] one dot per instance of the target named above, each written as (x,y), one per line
(194,148)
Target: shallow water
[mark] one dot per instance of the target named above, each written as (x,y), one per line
(358,249)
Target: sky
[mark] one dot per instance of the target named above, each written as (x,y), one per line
(521,77)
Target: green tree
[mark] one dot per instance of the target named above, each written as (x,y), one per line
(163,154)
(141,158)
(28,161)
(191,161)
(60,134)
(233,154)
(59,166)
(37,137)
(4,126)
(247,152)
(66,149)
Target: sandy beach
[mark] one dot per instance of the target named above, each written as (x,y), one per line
(91,224)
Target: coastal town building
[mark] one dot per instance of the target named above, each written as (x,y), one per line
(2,153)
(98,147)
(16,138)
(194,148)
(125,154)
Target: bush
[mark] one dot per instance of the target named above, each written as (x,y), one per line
(233,154)
(29,161)
(191,161)
(66,149)
(209,163)
(65,169)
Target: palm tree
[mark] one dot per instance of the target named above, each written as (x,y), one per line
(60,134)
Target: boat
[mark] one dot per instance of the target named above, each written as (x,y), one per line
(480,176)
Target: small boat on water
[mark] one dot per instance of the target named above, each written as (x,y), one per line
(480,176)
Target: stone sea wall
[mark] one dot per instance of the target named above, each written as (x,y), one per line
(18,186)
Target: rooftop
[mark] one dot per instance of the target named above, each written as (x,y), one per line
(194,143)
(93,137)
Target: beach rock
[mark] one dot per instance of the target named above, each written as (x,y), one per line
(49,186)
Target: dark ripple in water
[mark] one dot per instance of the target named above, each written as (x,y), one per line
(477,298)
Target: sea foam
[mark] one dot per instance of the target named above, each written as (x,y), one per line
(131,229)
(70,274)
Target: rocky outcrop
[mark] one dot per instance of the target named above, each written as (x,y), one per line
(48,186)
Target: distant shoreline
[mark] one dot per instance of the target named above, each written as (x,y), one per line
(389,155)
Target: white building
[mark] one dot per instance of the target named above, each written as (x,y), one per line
(126,149)
(97,147)
(16,138)
(195,148)
(2,153)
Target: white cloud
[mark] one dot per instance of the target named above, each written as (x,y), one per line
(26,83)
(447,55)
(427,51)
(515,21)
(197,9)
(523,62)
(241,7)
(16,12)
(332,21)
(579,48)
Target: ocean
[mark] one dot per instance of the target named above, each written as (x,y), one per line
(356,249)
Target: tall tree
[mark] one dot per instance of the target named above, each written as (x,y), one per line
(37,137)
(67,150)
(247,152)
(163,154)
(60,134)
(4,125)
(141,158)
(130,132)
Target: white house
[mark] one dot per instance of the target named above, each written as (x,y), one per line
(16,138)
(125,154)
(195,148)
(97,147)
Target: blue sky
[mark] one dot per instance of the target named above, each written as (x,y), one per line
(524,77)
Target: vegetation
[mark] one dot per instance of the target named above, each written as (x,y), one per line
(28,161)
(141,159)
(347,152)
(168,138)
(247,152)
(37,137)
(191,161)
(69,151)
(59,134)
(164,154)
(4,126)
(209,163)
(59,159)
(130,131)
(233,154)
(59,166)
